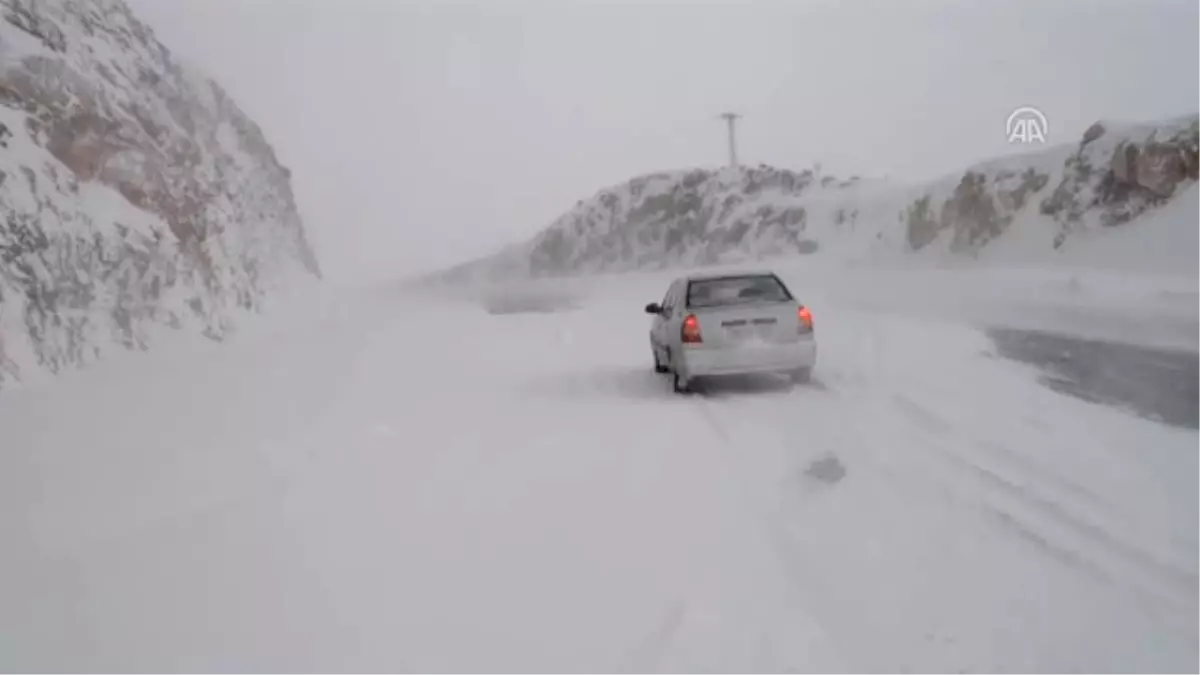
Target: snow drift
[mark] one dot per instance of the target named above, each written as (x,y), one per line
(135,194)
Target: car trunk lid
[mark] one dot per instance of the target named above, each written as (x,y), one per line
(748,324)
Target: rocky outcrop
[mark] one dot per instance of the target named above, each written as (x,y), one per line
(979,210)
(134,193)
(1120,176)
(1110,178)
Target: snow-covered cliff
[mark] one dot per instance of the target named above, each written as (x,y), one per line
(134,193)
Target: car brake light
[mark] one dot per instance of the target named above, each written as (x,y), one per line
(806,320)
(691,329)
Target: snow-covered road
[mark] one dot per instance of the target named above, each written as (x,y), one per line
(398,481)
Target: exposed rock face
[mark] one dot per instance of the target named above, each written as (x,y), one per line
(1157,166)
(1121,176)
(133,193)
(979,210)
(923,227)
(1110,178)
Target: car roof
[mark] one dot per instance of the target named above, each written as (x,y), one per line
(702,276)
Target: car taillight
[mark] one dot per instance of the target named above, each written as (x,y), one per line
(691,329)
(806,320)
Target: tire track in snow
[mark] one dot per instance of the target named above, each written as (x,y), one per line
(1180,580)
(1035,517)
(730,611)
(795,626)
(925,419)
(1039,473)
(760,453)
(979,499)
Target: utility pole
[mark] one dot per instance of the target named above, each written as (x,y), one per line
(730,118)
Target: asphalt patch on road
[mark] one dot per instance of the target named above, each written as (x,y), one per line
(1158,384)
(827,470)
(529,303)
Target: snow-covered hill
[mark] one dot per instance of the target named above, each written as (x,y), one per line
(134,193)
(700,217)
(1038,205)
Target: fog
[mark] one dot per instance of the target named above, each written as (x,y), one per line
(421,134)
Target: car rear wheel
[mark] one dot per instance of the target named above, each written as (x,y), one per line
(658,365)
(801,375)
(681,385)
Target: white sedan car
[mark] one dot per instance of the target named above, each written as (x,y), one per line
(731,324)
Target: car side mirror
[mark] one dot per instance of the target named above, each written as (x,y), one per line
(654,308)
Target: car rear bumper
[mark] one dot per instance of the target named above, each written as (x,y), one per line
(700,361)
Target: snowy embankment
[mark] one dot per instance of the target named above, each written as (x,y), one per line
(139,202)
(410,482)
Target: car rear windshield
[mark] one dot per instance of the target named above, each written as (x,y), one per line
(740,290)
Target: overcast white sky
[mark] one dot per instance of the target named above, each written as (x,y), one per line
(424,133)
